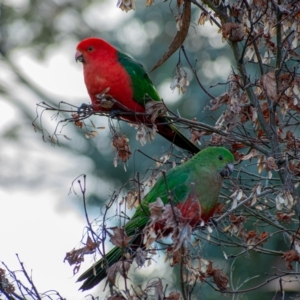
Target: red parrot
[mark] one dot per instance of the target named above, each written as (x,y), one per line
(118,76)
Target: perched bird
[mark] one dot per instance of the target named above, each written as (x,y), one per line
(109,73)
(194,188)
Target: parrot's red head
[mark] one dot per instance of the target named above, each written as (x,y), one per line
(94,48)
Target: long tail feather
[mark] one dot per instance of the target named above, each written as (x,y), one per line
(97,272)
(172,134)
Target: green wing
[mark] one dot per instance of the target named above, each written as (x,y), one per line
(178,181)
(141,83)
(144,91)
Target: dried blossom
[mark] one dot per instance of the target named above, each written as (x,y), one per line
(119,237)
(180,79)
(233,32)
(126,5)
(122,267)
(76,257)
(284,199)
(149,2)
(290,256)
(155,109)
(121,145)
(145,134)
(77,120)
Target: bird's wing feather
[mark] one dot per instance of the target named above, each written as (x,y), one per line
(142,84)
(176,181)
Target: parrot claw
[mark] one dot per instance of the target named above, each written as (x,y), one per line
(115,113)
(84,109)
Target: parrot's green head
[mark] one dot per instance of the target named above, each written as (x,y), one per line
(217,159)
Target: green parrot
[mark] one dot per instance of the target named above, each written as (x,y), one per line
(194,188)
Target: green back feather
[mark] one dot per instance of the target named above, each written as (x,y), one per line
(141,83)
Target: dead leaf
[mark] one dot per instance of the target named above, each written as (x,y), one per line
(236,220)
(289,256)
(271,164)
(140,257)
(252,154)
(76,257)
(295,168)
(141,134)
(180,35)
(149,236)
(77,120)
(220,279)
(284,216)
(219,101)
(145,134)
(121,267)
(181,235)
(269,84)
(156,209)
(233,32)
(155,109)
(173,296)
(180,79)
(132,199)
(204,17)
(262,237)
(196,135)
(292,142)
(178,19)
(175,256)
(260,163)
(171,216)
(158,287)
(5,285)
(119,237)
(120,143)
(216,139)
(126,5)
(105,100)
(149,2)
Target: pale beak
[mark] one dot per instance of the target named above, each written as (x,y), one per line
(79,57)
(227,170)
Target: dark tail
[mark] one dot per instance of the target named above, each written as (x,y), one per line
(172,134)
(167,130)
(97,272)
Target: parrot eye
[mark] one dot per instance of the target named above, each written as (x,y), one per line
(90,48)
(220,157)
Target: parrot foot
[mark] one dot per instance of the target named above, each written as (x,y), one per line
(114,113)
(84,109)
